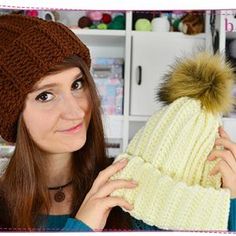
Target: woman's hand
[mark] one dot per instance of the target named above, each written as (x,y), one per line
(227,163)
(97,204)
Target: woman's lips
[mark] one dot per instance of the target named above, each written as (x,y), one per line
(73,130)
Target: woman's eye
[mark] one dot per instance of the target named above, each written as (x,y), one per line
(77,84)
(44,97)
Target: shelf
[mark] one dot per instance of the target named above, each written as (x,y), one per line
(112,33)
(169,34)
(93,37)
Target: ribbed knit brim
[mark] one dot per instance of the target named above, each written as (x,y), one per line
(29,47)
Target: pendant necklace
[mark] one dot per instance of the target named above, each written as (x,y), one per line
(59,196)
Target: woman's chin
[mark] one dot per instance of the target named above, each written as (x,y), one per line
(63,147)
(74,145)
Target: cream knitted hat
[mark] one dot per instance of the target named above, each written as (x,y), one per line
(167,157)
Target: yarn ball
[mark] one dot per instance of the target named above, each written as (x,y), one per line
(93,26)
(117,23)
(176,24)
(95,15)
(56,15)
(119,18)
(84,22)
(102,26)
(116,26)
(106,18)
(143,25)
(183,27)
(33,13)
(114,14)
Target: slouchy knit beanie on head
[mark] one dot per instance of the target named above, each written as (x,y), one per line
(168,156)
(29,47)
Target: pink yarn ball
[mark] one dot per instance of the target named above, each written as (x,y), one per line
(95,15)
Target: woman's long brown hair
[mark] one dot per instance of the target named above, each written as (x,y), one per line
(24,184)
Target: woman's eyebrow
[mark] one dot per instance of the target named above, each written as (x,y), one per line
(78,75)
(46,86)
(51,85)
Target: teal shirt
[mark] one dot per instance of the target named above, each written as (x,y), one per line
(62,223)
(65,223)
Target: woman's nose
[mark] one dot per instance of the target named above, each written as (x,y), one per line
(72,107)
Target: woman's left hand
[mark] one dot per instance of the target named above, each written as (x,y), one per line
(227,163)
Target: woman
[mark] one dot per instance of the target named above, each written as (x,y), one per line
(57,178)
(52,114)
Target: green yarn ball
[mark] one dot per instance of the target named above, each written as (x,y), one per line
(116,25)
(119,18)
(176,24)
(143,25)
(93,26)
(102,26)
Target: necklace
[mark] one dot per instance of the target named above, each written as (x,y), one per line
(60,195)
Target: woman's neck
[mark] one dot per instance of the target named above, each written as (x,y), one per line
(59,168)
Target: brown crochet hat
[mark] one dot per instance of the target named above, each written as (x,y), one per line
(29,47)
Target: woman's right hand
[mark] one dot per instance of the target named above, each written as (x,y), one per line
(98,203)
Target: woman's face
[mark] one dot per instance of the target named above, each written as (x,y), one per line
(58,111)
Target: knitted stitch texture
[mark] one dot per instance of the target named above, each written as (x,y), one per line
(168,156)
(29,47)
(174,189)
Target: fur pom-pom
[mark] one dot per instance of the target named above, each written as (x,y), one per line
(204,77)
